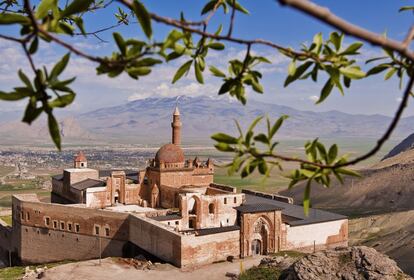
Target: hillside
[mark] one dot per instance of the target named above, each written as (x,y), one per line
(385,187)
(391,234)
(405,145)
(142,121)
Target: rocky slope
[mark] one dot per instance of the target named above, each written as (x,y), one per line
(344,263)
(390,233)
(405,145)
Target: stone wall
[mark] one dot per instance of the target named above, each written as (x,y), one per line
(5,241)
(156,239)
(46,232)
(320,235)
(206,249)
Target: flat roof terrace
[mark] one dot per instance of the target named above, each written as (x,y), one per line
(294,211)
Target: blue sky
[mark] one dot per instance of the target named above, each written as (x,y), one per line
(268,20)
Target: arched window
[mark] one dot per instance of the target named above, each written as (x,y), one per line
(211,208)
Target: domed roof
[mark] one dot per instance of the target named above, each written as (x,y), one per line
(170,153)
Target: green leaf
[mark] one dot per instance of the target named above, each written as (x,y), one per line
(306,198)
(182,70)
(336,40)
(54,130)
(216,46)
(263,167)
(44,7)
(139,71)
(326,90)
(261,138)
(143,17)
(298,73)
(198,73)
(12,96)
(208,7)
(25,79)
(6,18)
(292,68)
(224,138)
(223,147)
(277,125)
(352,72)
(77,6)
(332,153)
(31,113)
(256,86)
(317,40)
(406,8)
(62,101)
(34,45)
(348,172)
(216,72)
(148,61)
(120,42)
(378,69)
(60,66)
(352,49)
(226,86)
(240,8)
(254,123)
(390,73)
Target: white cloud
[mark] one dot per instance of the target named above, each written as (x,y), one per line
(313,98)
(398,99)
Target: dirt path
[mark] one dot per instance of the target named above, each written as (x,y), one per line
(110,269)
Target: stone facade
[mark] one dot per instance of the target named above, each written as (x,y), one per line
(171,210)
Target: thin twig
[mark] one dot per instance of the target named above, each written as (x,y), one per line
(233,14)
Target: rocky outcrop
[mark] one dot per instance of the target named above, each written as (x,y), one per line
(344,263)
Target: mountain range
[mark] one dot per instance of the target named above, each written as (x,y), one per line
(147,120)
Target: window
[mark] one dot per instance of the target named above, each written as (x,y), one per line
(211,208)
(47,221)
(107,231)
(28,216)
(177,222)
(55,224)
(96,230)
(62,225)
(225,200)
(77,227)
(69,226)
(21,215)
(235,200)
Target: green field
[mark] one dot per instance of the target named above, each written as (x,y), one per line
(19,186)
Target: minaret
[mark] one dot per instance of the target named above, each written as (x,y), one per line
(176,127)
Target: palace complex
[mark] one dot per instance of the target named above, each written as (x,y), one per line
(172,210)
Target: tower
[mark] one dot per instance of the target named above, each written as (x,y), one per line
(80,161)
(176,127)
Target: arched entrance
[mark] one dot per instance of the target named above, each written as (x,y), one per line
(260,238)
(116,197)
(194,207)
(256,247)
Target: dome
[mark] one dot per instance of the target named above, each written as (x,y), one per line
(170,153)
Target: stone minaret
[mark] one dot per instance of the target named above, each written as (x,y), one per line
(176,128)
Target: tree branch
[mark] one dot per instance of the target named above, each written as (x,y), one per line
(324,15)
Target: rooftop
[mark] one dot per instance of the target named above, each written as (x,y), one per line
(88,183)
(295,211)
(255,208)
